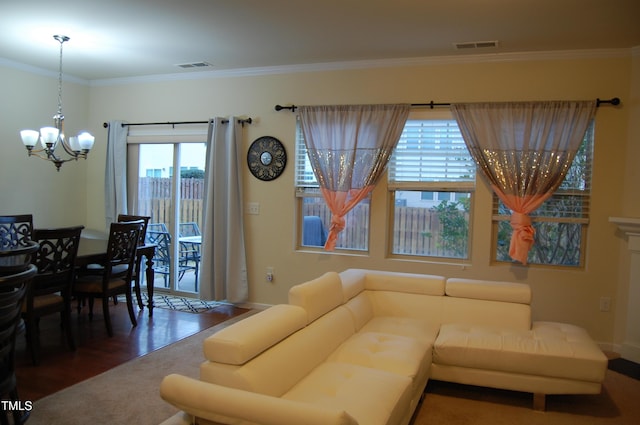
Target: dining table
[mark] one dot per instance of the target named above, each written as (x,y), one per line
(93,250)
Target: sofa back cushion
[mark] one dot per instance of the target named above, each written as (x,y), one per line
(409,283)
(489,290)
(370,293)
(318,296)
(403,304)
(242,341)
(361,309)
(276,370)
(487,303)
(352,282)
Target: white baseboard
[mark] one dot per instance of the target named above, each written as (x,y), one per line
(630,352)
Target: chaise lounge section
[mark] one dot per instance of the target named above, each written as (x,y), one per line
(358,347)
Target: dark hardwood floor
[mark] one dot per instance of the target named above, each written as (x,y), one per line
(95,352)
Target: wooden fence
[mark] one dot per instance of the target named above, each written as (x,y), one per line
(417,230)
(155,199)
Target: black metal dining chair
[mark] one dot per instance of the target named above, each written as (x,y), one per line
(13,288)
(122,218)
(50,289)
(117,273)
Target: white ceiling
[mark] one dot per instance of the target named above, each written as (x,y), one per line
(128,38)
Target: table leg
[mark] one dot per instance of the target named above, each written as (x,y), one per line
(150,275)
(137,283)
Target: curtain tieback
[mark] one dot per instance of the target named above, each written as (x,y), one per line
(522,238)
(519,220)
(337,225)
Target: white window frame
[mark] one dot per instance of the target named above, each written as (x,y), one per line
(421,178)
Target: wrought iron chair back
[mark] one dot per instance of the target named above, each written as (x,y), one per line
(50,289)
(15,230)
(117,272)
(12,291)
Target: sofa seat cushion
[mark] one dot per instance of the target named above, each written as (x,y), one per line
(421,330)
(392,353)
(548,349)
(371,396)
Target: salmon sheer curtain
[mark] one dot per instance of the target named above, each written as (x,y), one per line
(349,147)
(524,150)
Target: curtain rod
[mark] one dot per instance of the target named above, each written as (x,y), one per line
(242,121)
(613,101)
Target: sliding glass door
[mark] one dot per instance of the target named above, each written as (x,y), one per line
(170,187)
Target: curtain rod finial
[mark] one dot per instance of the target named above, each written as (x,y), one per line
(280,108)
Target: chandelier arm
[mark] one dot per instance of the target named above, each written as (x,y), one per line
(52,157)
(70,151)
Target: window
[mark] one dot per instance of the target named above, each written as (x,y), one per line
(431,182)
(314,214)
(560,223)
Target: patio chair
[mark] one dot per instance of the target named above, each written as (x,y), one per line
(162,259)
(190,251)
(157,227)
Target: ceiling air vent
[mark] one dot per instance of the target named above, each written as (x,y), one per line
(194,65)
(475,45)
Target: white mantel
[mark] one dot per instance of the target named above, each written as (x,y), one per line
(631,347)
(631,226)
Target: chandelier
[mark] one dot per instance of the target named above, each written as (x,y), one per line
(52,137)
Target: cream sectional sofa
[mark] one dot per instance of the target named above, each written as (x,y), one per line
(358,347)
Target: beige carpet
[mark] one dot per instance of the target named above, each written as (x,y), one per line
(451,404)
(128,394)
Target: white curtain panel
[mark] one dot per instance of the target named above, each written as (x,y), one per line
(115,175)
(224,269)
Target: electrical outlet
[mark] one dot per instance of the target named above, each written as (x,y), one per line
(253,208)
(269,275)
(605,304)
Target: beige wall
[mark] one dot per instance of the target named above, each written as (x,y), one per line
(562,295)
(30,185)
(631,197)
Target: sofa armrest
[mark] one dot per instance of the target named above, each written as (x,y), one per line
(211,402)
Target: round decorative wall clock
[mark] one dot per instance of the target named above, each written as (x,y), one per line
(266,158)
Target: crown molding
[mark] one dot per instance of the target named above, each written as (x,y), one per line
(342,66)
(370,64)
(41,71)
